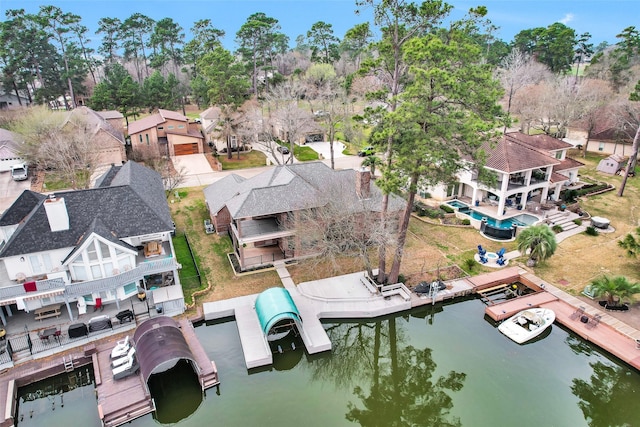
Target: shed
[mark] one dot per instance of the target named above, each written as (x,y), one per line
(275,306)
(611,164)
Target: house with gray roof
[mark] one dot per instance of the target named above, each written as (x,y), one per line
(95,246)
(10,145)
(108,140)
(527,167)
(258,212)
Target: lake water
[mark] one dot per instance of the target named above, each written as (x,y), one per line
(442,365)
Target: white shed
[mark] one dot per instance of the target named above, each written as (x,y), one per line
(611,164)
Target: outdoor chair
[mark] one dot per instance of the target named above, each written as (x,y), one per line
(501,252)
(578,313)
(483,259)
(98,305)
(481,251)
(501,261)
(594,322)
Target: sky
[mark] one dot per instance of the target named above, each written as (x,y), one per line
(602,19)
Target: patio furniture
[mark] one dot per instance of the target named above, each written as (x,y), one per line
(483,259)
(594,322)
(99,323)
(78,330)
(208,227)
(481,250)
(501,252)
(152,249)
(98,305)
(578,313)
(121,348)
(45,334)
(501,261)
(125,316)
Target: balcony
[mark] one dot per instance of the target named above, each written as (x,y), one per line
(7,293)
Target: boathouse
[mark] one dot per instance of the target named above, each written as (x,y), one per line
(276,311)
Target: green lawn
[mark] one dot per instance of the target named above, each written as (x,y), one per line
(188,273)
(305,154)
(252,159)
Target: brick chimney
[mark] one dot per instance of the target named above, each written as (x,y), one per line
(57,213)
(363,183)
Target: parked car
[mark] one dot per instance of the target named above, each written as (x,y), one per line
(282,149)
(367,151)
(19,172)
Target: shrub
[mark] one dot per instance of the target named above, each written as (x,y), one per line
(470,263)
(577,221)
(591,231)
(466,221)
(557,228)
(447,208)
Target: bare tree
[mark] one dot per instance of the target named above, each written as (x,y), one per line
(518,70)
(59,141)
(629,116)
(594,97)
(334,103)
(344,225)
(287,121)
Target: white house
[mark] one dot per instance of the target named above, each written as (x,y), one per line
(528,167)
(98,246)
(9,150)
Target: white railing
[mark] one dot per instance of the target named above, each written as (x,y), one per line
(91,286)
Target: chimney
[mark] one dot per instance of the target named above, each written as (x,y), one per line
(363,183)
(57,213)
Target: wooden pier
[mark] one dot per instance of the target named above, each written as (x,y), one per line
(507,309)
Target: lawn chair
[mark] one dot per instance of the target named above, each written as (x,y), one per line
(483,259)
(578,313)
(501,252)
(594,322)
(501,261)
(481,251)
(98,305)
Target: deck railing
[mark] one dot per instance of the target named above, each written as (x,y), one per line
(91,286)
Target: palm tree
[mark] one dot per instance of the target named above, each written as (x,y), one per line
(539,240)
(372,162)
(615,289)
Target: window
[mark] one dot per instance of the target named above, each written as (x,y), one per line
(559,155)
(79,272)
(147,135)
(104,250)
(180,126)
(96,271)
(234,141)
(40,264)
(601,146)
(160,127)
(140,138)
(130,288)
(170,126)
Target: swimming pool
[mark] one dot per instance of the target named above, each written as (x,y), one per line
(522,220)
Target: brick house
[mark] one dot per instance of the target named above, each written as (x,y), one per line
(166,133)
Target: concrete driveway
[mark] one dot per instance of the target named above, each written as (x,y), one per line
(196,169)
(10,189)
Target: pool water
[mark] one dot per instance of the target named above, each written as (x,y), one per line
(522,220)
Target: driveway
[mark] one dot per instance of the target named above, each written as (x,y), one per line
(10,189)
(196,169)
(324,149)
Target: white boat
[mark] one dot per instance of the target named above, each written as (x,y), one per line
(527,324)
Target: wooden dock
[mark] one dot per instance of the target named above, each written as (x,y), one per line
(119,401)
(208,375)
(509,308)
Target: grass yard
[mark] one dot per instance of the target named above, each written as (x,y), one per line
(576,262)
(304,153)
(251,159)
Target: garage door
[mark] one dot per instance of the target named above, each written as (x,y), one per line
(184,149)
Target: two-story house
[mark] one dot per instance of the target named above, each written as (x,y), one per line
(527,167)
(258,212)
(165,133)
(97,246)
(108,140)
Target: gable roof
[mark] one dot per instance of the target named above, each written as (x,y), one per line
(154,120)
(133,203)
(96,122)
(21,207)
(111,114)
(541,141)
(286,189)
(9,144)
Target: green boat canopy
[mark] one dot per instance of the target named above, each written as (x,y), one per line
(274,305)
